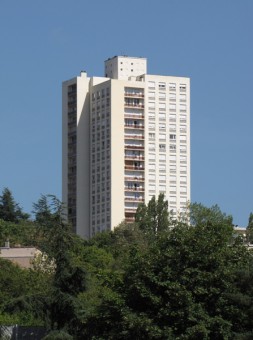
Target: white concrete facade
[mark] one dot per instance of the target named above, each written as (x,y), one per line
(126,138)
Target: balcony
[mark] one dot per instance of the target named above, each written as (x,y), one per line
(134,94)
(130,210)
(134,157)
(134,199)
(134,137)
(133,189)
(134,116)
(134,168)
(134,179)
(134,126)
(129,219)
(135,106)
(134,147)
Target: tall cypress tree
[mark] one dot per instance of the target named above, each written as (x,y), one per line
(10,210)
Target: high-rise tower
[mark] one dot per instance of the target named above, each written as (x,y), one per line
(126,138)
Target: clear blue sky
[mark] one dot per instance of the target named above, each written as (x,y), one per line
(46,42)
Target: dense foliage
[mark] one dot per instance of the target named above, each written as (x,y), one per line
(157,278)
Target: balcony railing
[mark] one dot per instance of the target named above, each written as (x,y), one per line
(135,147)
(134,179)
(130,210)
(134,137)
(134,168)
(131,94)
(129,219)
(134,157)
(134,199)
(134,189)
(136,106)
(134,116)
(134,126)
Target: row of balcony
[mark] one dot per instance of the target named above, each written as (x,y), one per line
(135,178)
(134,94)
(134,157)
(134,147)
(133,105)
(134,116)
(134,126)
(134,168)
(134,199)
(134,136)
(134,189)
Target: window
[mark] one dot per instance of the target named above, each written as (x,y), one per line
(151,94)
(162,157)
(172,127)
(182,107)
(162,86)
(162,116)
(183,200)
(182,87)
(183,168)
(162,147)
(182,97)
(162,106)
(162,95)
(151,177)
(151,84)
(173,178)
(151,105)
(151,187)
(151,166)
(172,86)
(151,156)
(151,135)
(173,168)
(172,147)
(173,199)
(151,125)
(183,138)
(172,137)
(162,167)
(151,115)
(183,189)
(173,188)
(183,148)
(162,178)
(182,128)
(162,188)
(162,126)
(172,158)
(162,136)
(172,106)
(182,118)
(182,179)
(172,96)
(151,146)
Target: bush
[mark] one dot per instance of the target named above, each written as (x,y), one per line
(58,335)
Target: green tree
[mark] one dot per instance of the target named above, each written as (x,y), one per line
(10,210)
(22,233)
(249,231)
(153,217)
(64,248)
(177,287)
(19,289)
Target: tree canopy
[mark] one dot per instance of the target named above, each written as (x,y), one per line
(10,210)
(156,278)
